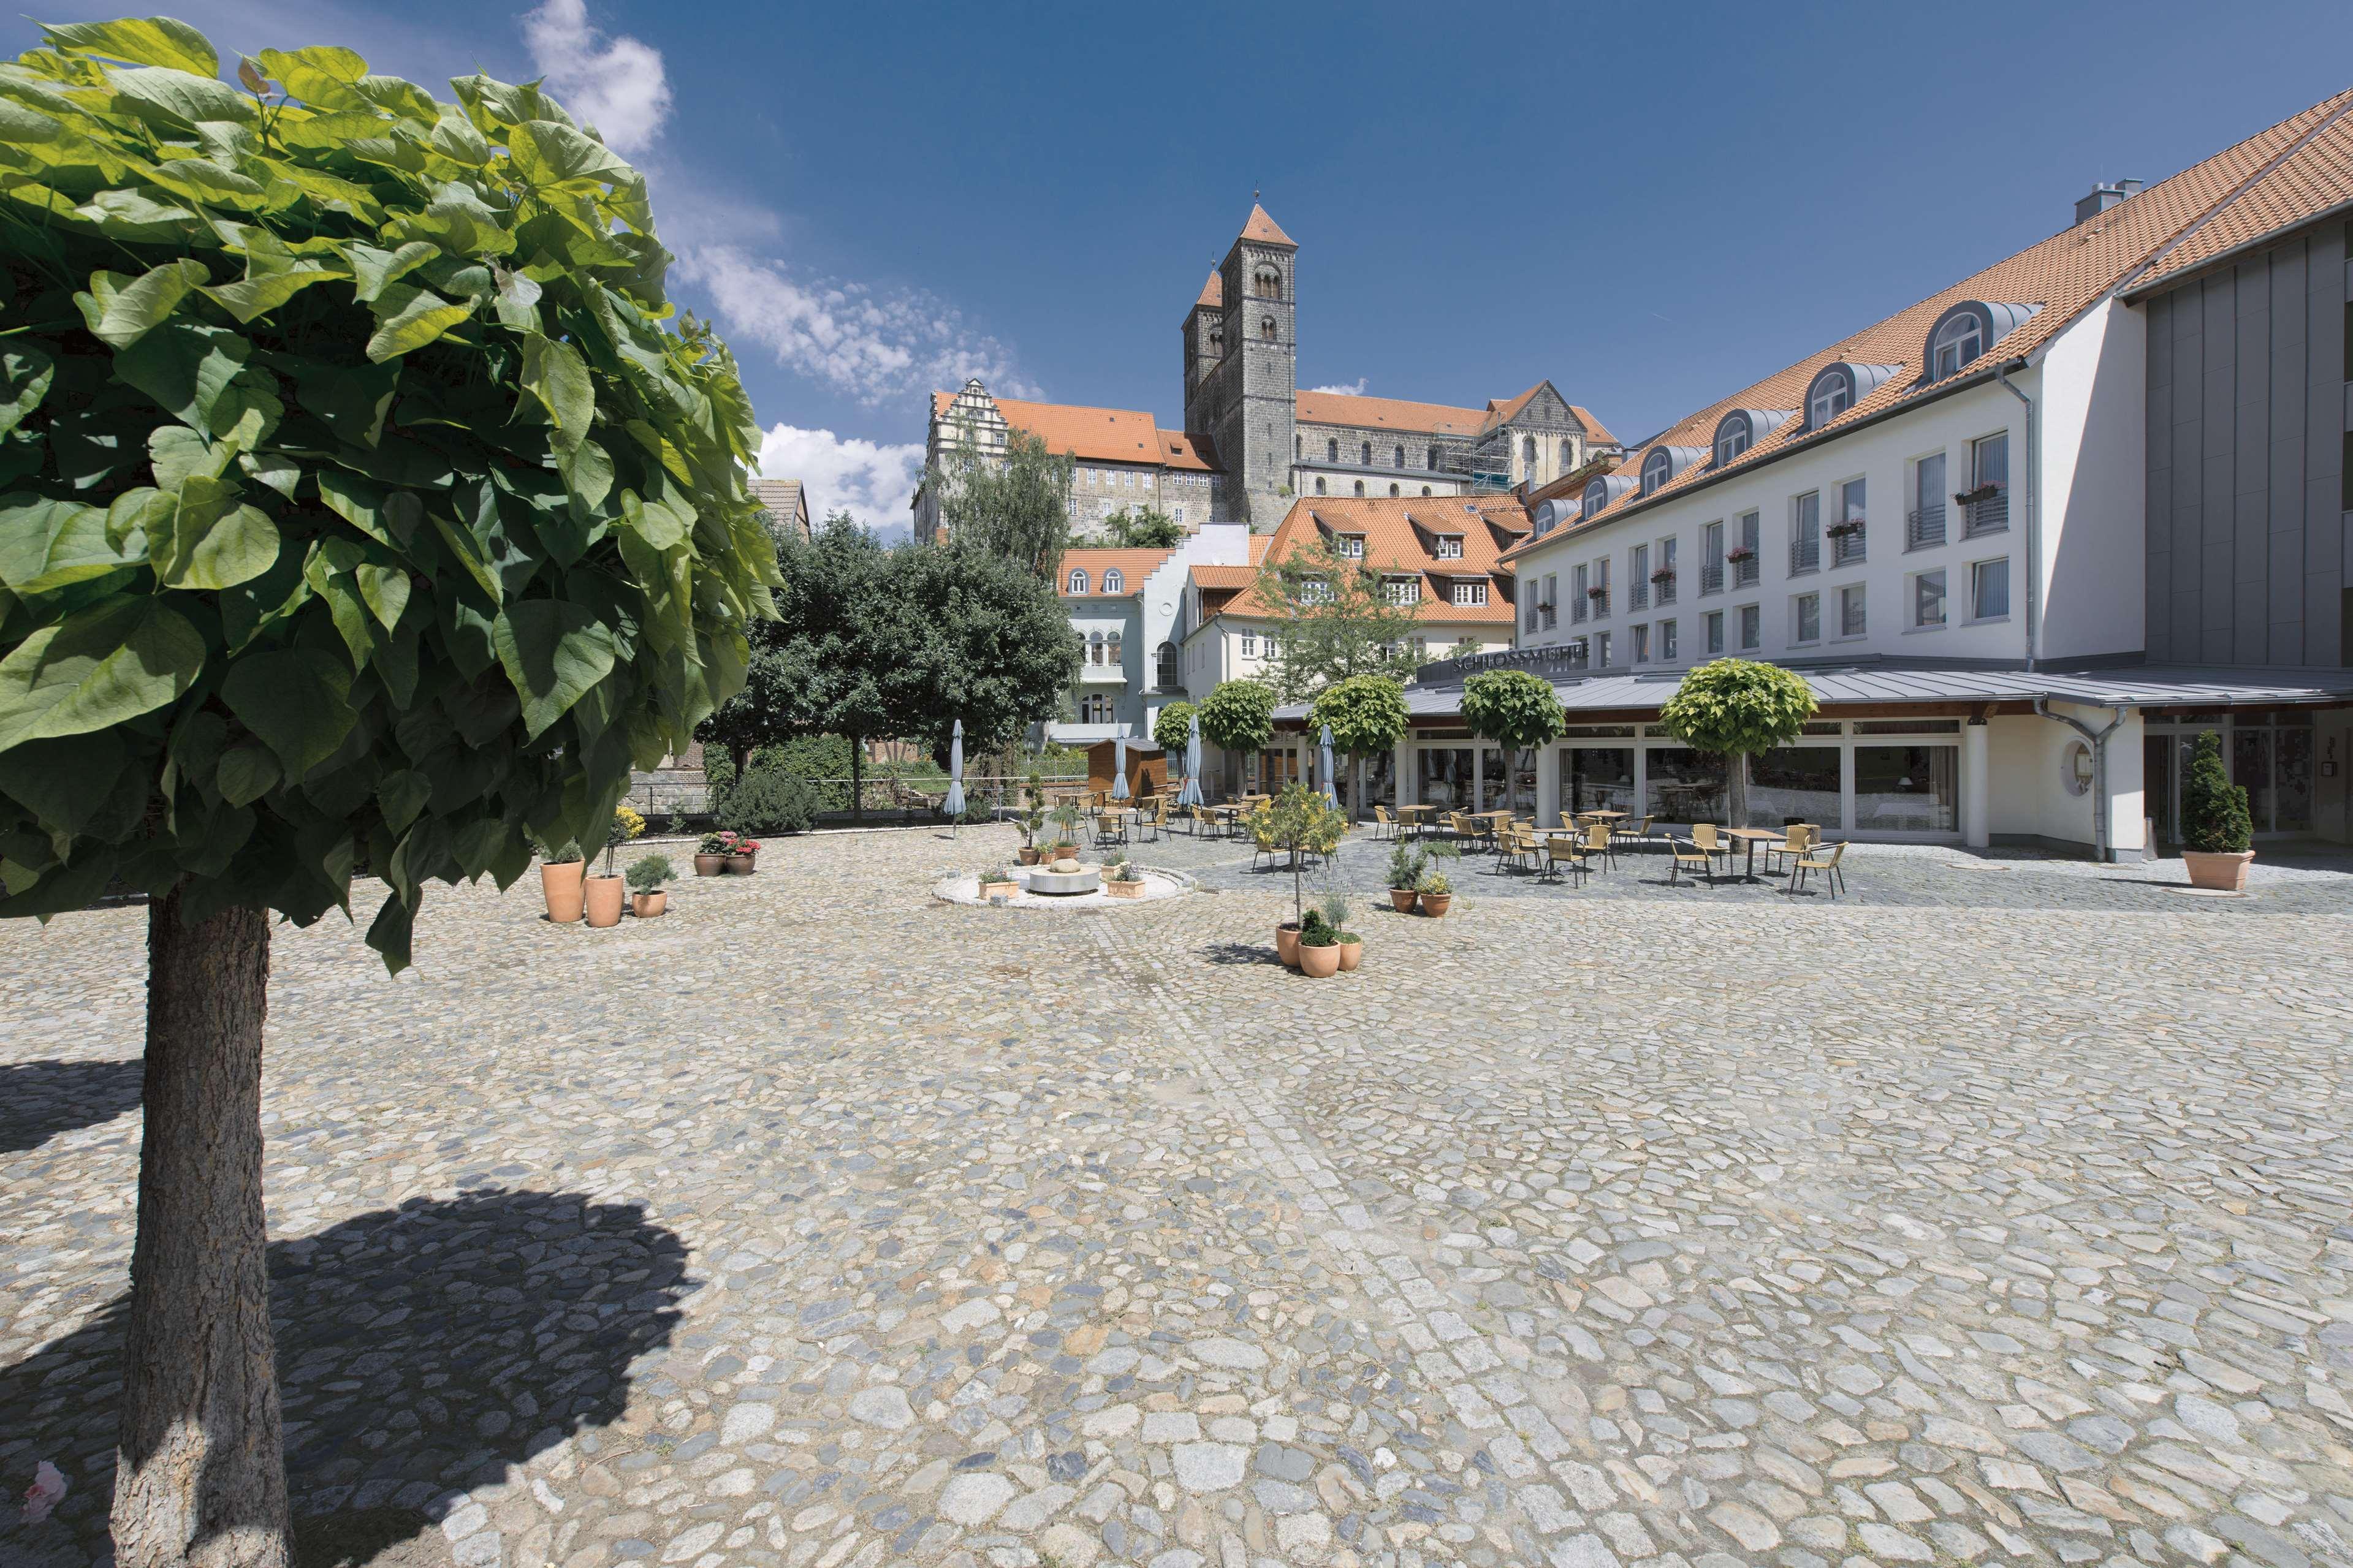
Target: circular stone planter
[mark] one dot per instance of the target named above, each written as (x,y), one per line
(1159,885)
(1063,884)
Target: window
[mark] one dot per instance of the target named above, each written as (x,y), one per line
(1365,454)
(1743,556)
(1657,469)
(1432,464)
(1714,621)
(1450,547)
(1831,395)
(1641,644)
(1601,582)
(1638,577)
(1250,645)
(1989,590)
(1664,579)
(1711,551)
(1959,341)
(1269,283)
(1266,328)
(1579,604)
(1597,495)
(1425,489)
(1094,647)
(1752,627)
(1532,614)
(1332,450)
(1551,600)
(1988,504)
(1078,583)
(1925,524)
(1319,484)
(1847,548)
(1360,487)
(1470,593)
(1528,453)
(1568,454)
(1272,648)
(1405,590)
(1299,446)
(1928,598)
(1111,648)
(1601,651)
(1094,709)
(1165,672)
(1394,491)
(1114,582)
(1397,457)
(1806,533)
(1730,441)
(1852,623)
(1806,618)
(1667,641)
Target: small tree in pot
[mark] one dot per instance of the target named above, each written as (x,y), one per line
(648,893)
(2216,828)
(1299,822)
(1736,708)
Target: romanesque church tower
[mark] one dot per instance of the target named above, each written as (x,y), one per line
(1242,356)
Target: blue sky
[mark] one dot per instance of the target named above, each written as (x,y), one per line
(876,200)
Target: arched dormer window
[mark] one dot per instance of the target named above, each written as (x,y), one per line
(1839,387)
(1114,582)
(1742,429)
(1332,450)
(1165,672)
(1078,583)
(1266,328)
(1365,453)
(1657,469)
(1397,459)
(1268,283)
(1967,330)
(1596,497)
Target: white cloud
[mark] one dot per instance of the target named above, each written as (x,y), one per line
(1353,388)
(617,85)
(871,482)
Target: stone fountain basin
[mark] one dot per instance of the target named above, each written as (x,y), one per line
(1063,884)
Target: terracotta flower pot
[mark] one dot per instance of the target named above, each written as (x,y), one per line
(561,883)
(1351,953)
(990,889)
(646,906)
(2223,871)
(1402,898)
(1320,963)
(1028,855)
(711,865)
(1286,942)
(1435,904)
(741,865)
(604,900)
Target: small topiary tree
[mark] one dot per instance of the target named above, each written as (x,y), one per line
(1174,728)
(1299,822)
(1237,715)
(2214,815)
(366,503)
(1515,709)
(1367,716)
(1736,708)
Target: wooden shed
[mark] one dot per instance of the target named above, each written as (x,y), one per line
(1147,766)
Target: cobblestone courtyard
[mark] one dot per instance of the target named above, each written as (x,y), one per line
(1999,1213)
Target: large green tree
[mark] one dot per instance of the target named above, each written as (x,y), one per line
(366,505)
(970,635)
(1146,527)
(1515,709)
(1174,730)
(1333,618)
(1018,506)
(1367,716)
(1736,708)
(1237,715)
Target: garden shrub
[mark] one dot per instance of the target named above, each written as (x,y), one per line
(767,800)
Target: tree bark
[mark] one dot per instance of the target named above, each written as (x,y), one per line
(200,1467)
(1738,789)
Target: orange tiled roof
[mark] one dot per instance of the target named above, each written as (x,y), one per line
(2062,275)
(1504,412)
(2311,181)
(1593,427)
(1264,229)
(1180,450)
(1098,435)
(1132,565)
(1400,540)
(1213,292)
(1387,413)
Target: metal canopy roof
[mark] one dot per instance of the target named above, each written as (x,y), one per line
(1899,682)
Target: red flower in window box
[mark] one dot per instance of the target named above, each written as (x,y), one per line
(1664,574)
(1985,491)
(1739,553)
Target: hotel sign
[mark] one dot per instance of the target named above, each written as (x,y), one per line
(1550,663)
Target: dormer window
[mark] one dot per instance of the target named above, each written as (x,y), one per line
(1597,495)
(1078,583)
(1959,341)
(1349,546)
(1114,582)
(1731,439)
(1830,395)
(1405,590)
(1657,469)
(1450,547)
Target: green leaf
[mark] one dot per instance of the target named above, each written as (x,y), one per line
(554,652)
(386,590)
(258,296)
(248,772)
(558,377)
(371,269)
(390,933)
(25,376)
(101,665)
(321,76)
(239,546)
(469,556)
(146,300)
(177,453)
(47,545)
(248,412)
(297,700)
(408,318)
(350,400)
(177,96)
(184,368)
(545,154)
(146,41)
(401,797)
(587,473)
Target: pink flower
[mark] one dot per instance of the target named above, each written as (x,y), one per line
(48,1489)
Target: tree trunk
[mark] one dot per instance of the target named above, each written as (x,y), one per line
(857,779)
(200,1469)
(1738,788)
(1355,789)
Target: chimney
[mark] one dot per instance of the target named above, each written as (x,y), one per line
(2103,197)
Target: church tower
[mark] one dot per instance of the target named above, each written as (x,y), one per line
(1245,399)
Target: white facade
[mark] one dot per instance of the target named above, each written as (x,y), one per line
(1149,620)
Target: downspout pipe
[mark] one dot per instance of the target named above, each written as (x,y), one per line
(2099,741)
(2033,521)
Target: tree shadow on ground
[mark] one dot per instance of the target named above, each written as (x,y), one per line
(421,1350)
(1231,953)
(40,1099)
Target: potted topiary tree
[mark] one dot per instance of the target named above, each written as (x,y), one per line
(2216,828)
(649,895)
(1299,823)
(1405,863)
(1032,817)
(602,894)
(1736,708)
(1066,834)
(1338,910)
(1319,946)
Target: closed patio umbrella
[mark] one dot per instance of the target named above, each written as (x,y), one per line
(1191,793)
(1119,790)
(953,804)
(1330,796)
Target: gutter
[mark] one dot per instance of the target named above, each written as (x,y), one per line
(2034,515)
(2099,741)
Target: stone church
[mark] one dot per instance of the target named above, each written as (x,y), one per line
(1252,442)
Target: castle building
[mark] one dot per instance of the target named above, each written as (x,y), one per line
(1252,441)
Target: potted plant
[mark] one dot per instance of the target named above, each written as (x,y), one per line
(742,856)
(1299,822)
(603,892)
(710,855)
(1338,911)
(1319,947)
(1985,491)
(1437,893)
(648,895)
(1663,575)
(2216,830)
(561,869)
(1065,816)
(1031,817)
(1405,863)
(1738,553)
(1850,527)
(1124,881)
(998,882)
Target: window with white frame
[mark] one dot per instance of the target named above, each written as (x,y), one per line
(1641,640)
(1989,492)
(1852,622)
(1713,622)
(1833,395)
(1111,648)
(1989,590)
(1657,469)
(1638,577)
(1602,650)
(1711,555)
(1928,598)
(1806,618)
(1663,578)
(1847,548)
(1271,648)
(1551,600)
(1470,591)
(1531,608)
(1405,590)
(1351,546)
(1667,641)
(1602,584)
(1449,546)
(1731,442)
(1924,527)
(1078,583)
(1959,341)
(1806,533)
(1094,647)
(1250,645)
(1752,627)
(1579,604)
(1094,709)
(1115,581)
(1746,567)
(1315,591)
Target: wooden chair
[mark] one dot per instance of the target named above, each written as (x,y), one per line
(1597,844)
(1708,840)
(1110,829)
(1802,837)
(1828,865)
(1562,849)
(1384,825)
(1689,854)
(1517,844)
(1640,831)
(1150,819)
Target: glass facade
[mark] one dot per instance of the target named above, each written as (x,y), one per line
(1446,779)
(1907,789)
(1685,786)
(1596,778)
(1796,784)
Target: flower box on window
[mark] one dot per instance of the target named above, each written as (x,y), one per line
(1738,553)
(1846,529)
(1664,574)
(1984,492)
(1602,593)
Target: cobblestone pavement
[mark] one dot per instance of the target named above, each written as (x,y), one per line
(821,1222)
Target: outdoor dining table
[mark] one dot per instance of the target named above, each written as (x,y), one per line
(1416,817)
(1597,816)
(1752,837)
